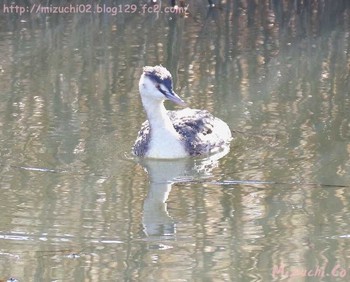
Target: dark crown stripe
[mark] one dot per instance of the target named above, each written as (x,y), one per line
(160,75)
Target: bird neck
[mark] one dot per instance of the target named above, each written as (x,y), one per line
(156,114)
(165,142)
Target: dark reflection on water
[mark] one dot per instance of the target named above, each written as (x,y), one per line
(76,206)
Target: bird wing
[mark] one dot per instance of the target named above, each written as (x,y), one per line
(142,140)
(200,130)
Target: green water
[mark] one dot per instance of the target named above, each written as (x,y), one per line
(76,206)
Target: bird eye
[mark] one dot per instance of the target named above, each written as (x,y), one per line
(160,89)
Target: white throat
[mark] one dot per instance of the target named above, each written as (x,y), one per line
(165,142)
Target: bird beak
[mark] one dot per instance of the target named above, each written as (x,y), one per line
(172,96)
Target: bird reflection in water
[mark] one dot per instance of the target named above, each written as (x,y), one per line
(162,175)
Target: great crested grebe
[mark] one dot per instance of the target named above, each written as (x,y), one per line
(175,134)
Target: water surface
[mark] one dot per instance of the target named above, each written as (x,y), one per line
(76,206)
